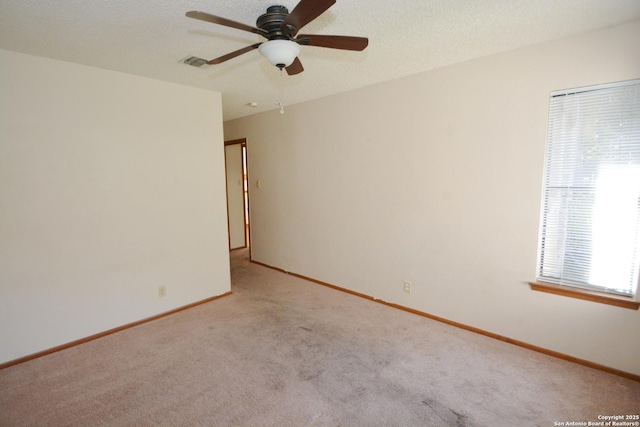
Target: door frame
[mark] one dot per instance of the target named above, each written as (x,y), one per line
(245,190)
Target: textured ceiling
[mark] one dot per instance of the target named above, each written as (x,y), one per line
(405,37)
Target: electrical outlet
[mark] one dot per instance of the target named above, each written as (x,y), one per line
(162,291)
(407,287)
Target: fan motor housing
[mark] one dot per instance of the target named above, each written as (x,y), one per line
(272,21)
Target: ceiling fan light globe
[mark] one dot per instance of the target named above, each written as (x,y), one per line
(280,53)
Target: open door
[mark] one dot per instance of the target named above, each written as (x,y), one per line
(237,194)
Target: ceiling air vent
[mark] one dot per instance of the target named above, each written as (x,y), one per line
(194,61)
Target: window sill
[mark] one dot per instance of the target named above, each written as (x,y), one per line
(600,297)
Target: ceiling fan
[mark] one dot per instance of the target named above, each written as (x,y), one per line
(280,28)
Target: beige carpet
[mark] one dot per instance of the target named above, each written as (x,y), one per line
(281,351)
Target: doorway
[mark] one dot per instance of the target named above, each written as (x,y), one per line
(236,167)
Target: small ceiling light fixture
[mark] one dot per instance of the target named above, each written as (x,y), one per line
(252,104)
(279,104)
(280,53)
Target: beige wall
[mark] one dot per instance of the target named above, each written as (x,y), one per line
(436,179)
(111,185)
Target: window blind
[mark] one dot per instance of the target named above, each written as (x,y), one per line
(590,232)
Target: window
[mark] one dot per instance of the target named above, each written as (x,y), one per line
(590,232)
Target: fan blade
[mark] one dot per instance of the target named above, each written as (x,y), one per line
(305,12)
(226,22)
(233,54)
(333,42)
(295,67)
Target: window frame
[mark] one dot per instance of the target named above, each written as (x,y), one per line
(567,287)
